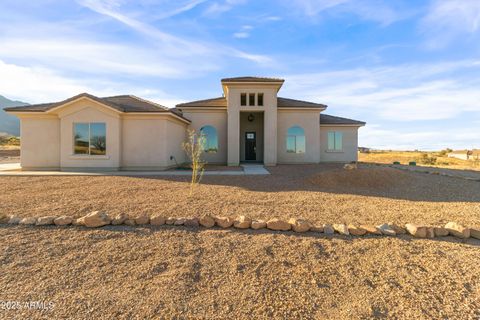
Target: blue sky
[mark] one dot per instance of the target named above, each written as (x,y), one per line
(411,69)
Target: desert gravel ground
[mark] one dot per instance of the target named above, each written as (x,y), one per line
(322,193)
(178,273)
(172,272)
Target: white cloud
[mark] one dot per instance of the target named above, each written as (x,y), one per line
(373,10)
(241,35)
(38,85)
(244,32)
(408,139)
(401,93)
(173,45)
(446,20)
(219,7)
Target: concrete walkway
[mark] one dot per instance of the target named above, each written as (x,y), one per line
(13,169)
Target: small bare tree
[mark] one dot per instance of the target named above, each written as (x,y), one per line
(194,147)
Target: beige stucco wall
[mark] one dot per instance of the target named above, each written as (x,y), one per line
(40,147)
(148,141)
(216,119)
(86,111)
(176,135)
(309,120)
(269,109)
(350,144)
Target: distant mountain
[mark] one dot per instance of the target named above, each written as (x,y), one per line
(8,123)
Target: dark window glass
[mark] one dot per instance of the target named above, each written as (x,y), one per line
(211,139)
(295,140)
(243,99)
(251,99)
(260,99)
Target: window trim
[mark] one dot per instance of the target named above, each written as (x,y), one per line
(295,140)
(89,154)
(334,141)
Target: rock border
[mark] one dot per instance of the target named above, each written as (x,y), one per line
(98,219)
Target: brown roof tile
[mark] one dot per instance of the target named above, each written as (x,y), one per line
(328,119)
(252,79)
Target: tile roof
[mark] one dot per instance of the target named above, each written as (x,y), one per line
(281,103)
(328,119)
(292,103)
(123,103)
(252,79)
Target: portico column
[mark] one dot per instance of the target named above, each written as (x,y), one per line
(233,137)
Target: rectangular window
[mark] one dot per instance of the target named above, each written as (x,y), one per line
(260,99)
(335,141)
(251,99)
(296,144)
(89,138)
(243,99)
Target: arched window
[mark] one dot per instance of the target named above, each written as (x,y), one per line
(211,139)
(296,140)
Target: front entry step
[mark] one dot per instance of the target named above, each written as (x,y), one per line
(254,169)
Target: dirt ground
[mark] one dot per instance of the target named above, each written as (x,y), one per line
(404,157)
(175,273)
(178,273)
(321,193)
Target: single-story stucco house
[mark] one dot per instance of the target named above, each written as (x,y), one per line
(249,123)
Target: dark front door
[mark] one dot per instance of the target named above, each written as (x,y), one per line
(250,146)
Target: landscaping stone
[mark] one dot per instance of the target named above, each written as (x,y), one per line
(278,225)
(157,220)
(129,222)
(371,229)
(170,220)
(356,230)
(430,232)
(457,230)
(142,219)
(258,224)
(224,222)
(300,225)
(440,232)
(191,222)
(328,229)
(78,222)
(96,219)
(475,233)
(28,221)
(179,221)
(317,228)
(341,229)
(242,222)
(119,219)
(44,221)
(207,221)
(4,218)
(63,220)
(386,229)
(398,230)
(418,231)
(14,220)
(350,166)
